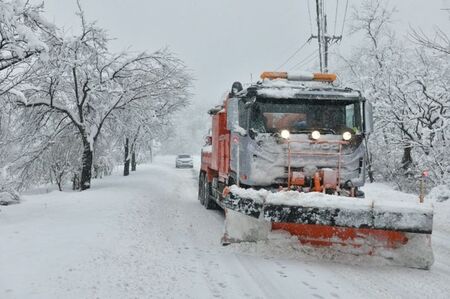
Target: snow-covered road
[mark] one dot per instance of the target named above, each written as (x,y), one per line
(147,236)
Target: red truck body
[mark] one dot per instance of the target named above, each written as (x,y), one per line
(216,163)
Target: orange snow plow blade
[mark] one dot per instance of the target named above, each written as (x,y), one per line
(397,231)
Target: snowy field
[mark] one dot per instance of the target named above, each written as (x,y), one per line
(147,236)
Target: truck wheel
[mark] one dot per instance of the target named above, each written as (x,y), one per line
(231,181)
(208,202)
(201,182)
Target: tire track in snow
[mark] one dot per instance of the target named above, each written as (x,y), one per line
(213,259)
(260,273)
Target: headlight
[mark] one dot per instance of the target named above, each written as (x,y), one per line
(285,134)
(347,136)
(315,135)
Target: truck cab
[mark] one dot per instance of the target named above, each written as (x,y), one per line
(291,131)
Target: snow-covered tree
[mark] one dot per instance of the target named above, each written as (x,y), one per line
(83,83)
(67,102)
(23,35)
(407,85)
(149,120)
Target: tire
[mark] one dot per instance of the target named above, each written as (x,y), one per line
(231,181)
(208,201)
(201,181)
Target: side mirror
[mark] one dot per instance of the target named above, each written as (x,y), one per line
(252,133)
(208,140)
(233,117)
(368,117)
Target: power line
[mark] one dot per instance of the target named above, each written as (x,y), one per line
(301,65)
(345,16)
(307,59)
(293,55)
(335,17)
(310,22)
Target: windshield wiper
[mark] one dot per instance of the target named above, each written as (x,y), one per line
(325,130)
(307,131)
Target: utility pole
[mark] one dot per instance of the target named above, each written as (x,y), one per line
(324,40)
(319,31)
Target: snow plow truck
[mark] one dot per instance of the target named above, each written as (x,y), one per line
(290,153)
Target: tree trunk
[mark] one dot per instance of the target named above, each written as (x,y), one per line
(407,157)
(370,173)
(75,183)
(86,171)
(126,164)
(369,167)
(133,160)
(59,185)
(151,154)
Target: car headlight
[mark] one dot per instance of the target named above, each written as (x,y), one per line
(347,136)
(315,135)
(285,134)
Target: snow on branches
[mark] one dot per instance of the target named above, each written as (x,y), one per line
(81,90)
(21,38)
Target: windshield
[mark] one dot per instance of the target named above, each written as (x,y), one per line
(302,116)
(183,156)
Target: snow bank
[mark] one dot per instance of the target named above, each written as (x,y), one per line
(258,196)
(440,197)
(316,199)
(439,194)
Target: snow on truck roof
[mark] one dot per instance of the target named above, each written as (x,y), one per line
(299,84)
(282,88)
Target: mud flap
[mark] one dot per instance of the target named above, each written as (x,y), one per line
(242,228)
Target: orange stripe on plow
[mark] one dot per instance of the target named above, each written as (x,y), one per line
(323,236)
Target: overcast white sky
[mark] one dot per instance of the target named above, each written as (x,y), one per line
(222,41)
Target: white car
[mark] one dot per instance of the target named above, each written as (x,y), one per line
(184,160)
